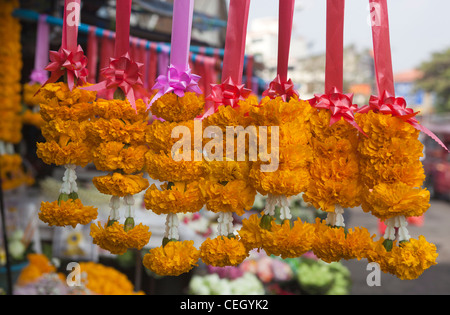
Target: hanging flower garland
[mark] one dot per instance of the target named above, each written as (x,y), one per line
(13,173)
(392,174)
(177,102)
(284,171)
(66,137)
(226,164)
(117,142)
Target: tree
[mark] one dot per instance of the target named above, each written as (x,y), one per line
(436,79)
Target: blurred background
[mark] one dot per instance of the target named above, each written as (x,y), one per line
(421,62)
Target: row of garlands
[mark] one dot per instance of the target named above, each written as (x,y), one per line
(337,154)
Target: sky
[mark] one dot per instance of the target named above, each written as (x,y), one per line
(417,27)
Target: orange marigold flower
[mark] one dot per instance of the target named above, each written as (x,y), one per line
(173,108)
(173,259)
(235,196)
(120,185)
(223,251)
(114,238)
(70,212)
(111,156)
(286,241)
(188,198)
(78,153)
(250,232)
(120,109)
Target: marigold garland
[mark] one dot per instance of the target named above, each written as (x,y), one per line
(173,108)
(121,185)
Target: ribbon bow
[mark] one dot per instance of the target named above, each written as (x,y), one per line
(227,93)
(72,63)
(285,90)
(340,105)
(178,82)
(122,73)
(396,106)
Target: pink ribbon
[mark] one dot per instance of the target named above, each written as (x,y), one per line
(72,63)
(340,105)
(277,88)
(396,106)
(39,75)
(227,93)
(178,82)
(122,73)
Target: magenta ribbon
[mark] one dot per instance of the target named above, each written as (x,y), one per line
(122,73)
(396,106)
(65,61)
(277,88)
(39,75)
(339,104)
(176,81)
(227,93)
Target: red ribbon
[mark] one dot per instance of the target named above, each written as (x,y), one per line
(227,93)
(122,73)
(277,88)
(396,106)
(65,61)
(339,104)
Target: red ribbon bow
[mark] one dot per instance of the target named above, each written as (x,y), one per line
(227,93)
(285,90)
(65,61)
(396,106)
(125,74)
(340,105)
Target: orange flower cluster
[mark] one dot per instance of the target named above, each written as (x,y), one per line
(31,115)
(116,139)
(182,192)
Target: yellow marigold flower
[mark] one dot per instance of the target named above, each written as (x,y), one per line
(120,109)
(64,130)
(389,200)
(116,240)
(164,168)
(70,212)
(407,260)
(286,241)
(159,135)
(173,259)
(106,280)
(223,251)
(111,156)
(250,232)
(188,198)
(276,112)
(51,152)
(120,185)
(231,116)
(105,130)
(172,108)
(38,266)
(329,243)
(236,196)
(410,259)
(65,96)
(224,171)
(51,109)
(283,181)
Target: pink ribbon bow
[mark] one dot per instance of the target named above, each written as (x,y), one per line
(396,106)
(227,93)
(65,61)
(285,90)
(122,73)
(178,82)
(340,105)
